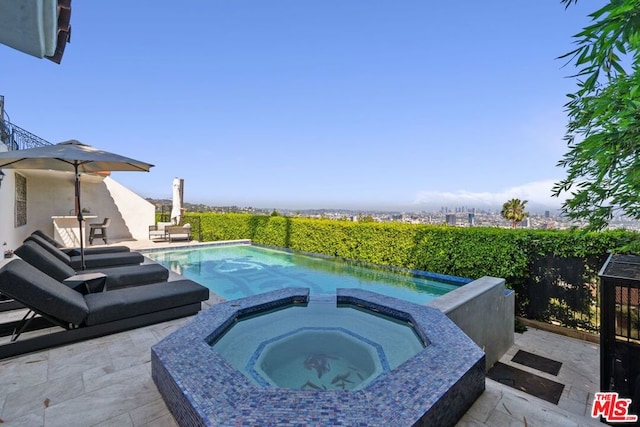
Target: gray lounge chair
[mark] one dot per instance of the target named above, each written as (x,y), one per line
(178,232)
(90,261)
(116,277)
(76,251)
(92,315)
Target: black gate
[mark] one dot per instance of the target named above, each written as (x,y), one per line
(620,327)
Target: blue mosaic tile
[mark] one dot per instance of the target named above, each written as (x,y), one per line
(435,387)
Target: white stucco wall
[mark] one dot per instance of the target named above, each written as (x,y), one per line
(51,193)
(8,233)
(137,213)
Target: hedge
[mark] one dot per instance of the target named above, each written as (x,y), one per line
(533,262)
(468,252)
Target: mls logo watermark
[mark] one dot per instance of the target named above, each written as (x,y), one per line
(612,408)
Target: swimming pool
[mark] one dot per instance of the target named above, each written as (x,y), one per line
(244,270)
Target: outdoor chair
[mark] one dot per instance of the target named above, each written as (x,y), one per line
(116,277)
(91,315)
(90,261)
(76,251)
(178,232)
(99,230)
(159,230)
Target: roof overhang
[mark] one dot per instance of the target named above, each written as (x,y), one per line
(37,27)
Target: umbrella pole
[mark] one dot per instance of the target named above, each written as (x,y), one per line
(80,219)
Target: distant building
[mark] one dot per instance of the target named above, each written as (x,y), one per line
(472,219)
(450,219)
(547,214)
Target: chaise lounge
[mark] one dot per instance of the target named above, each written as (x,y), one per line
(116,277)
(76,251)
(90,261)
(91,315)
(178,232)
(158,231)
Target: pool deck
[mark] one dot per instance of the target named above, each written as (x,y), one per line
(107,382)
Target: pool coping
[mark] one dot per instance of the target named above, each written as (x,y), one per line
(198,245)
(435,387)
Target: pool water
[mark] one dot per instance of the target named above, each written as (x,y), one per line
(319,346)
(244,270)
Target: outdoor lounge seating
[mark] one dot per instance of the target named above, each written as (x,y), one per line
(158,231)
(117,277)
(76,251)
(178,232)
(90,261)
(91,315)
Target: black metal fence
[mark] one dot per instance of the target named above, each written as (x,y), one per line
(562,291)
(16,138)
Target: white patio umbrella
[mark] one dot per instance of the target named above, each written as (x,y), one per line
(176,207)
(71,156)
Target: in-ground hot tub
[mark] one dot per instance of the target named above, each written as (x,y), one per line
(335,372)
(317,359)
(319,345)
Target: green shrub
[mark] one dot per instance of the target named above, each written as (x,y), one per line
(554,272)
(468,252)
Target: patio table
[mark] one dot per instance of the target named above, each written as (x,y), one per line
(66,230)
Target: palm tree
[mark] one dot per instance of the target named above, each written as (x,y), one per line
(513,210)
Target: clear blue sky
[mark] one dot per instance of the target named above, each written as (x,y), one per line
(313,103)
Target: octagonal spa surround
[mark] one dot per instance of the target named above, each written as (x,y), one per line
(435,387)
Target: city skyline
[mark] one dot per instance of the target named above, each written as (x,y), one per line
(305,105)
(533,193)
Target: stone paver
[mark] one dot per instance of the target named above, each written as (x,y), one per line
(107,382)
(501,405)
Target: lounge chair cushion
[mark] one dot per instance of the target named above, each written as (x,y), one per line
(132,275)
(46,237)
(51,298)
(177,232)
(42,293)
(90,261)
(122,303)
(117,277)
(108,260)
(49,247)
(97,250)
(158,230)
(44,260)
(76,251)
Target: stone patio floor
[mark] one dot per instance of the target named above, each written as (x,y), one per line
(107,382)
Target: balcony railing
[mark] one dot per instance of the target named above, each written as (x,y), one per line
(16,138)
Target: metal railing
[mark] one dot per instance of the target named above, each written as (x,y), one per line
(16,138)
(562,291)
